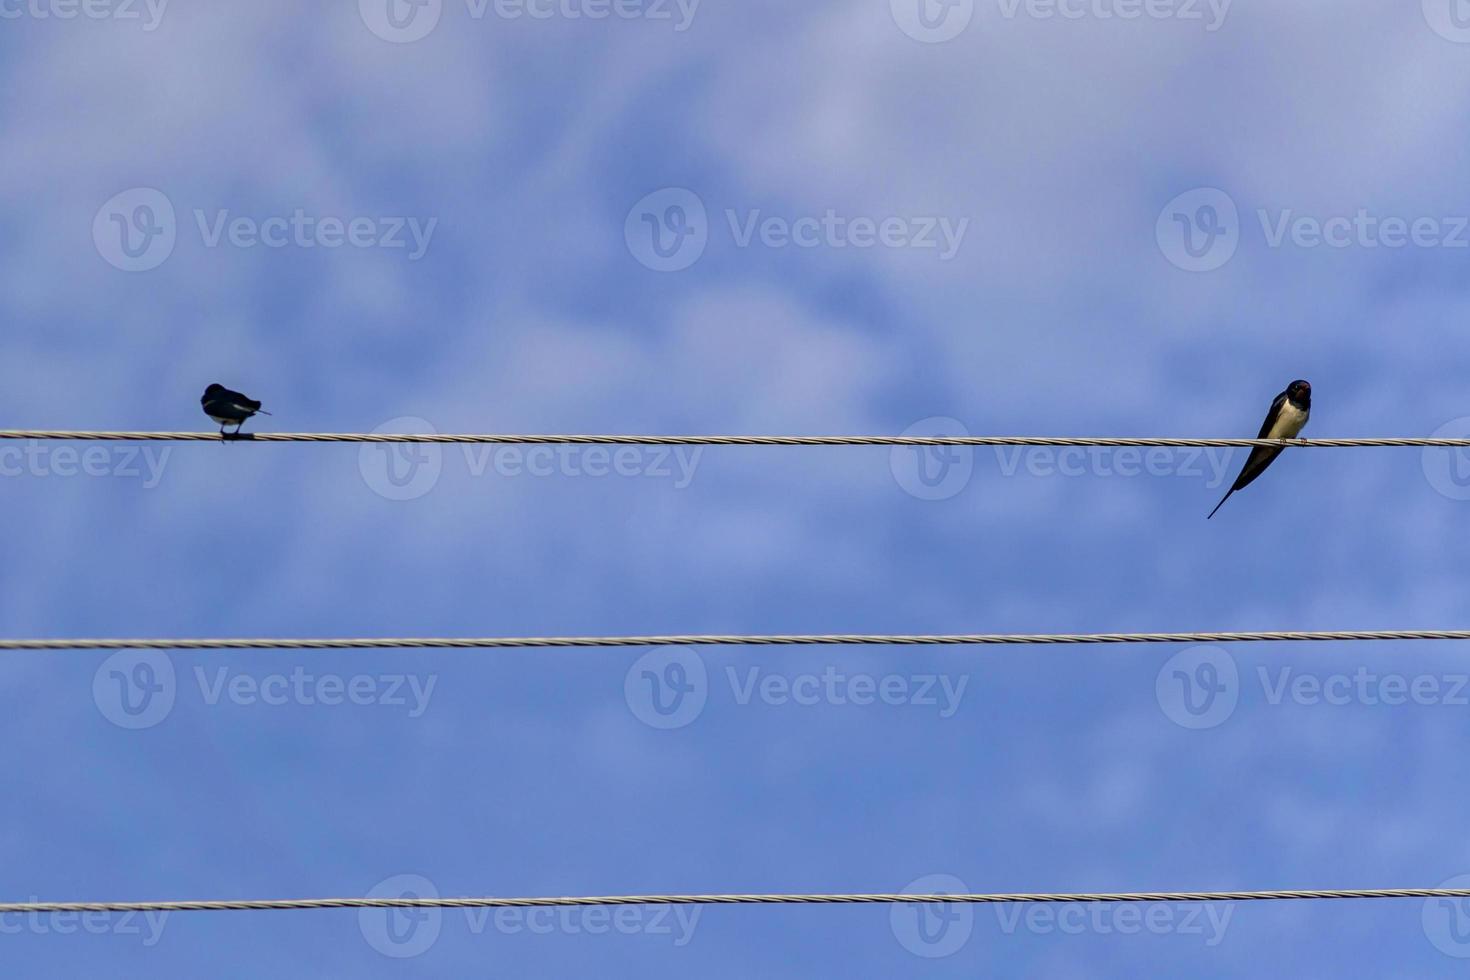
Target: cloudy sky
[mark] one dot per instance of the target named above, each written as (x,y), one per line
(1059,217)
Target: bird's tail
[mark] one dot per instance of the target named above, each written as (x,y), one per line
(1222,502)
(261,411)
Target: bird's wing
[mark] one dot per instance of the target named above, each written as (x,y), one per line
(1272,415)
(240,400)
(227,408)
(1261,456)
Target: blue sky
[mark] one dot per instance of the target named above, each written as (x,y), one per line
(870,222)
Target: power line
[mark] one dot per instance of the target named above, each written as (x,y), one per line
(832,639)
(650,440)
(614,900)
(728,640)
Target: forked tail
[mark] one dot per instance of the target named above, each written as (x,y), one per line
(1222,502)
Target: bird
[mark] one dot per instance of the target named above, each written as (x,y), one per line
(1288,415)
(229,407)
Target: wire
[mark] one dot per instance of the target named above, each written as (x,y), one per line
(716,640)
(877,899)
(615,440)
(875,639)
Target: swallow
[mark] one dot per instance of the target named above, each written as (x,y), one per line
(229,407)
(1288,415)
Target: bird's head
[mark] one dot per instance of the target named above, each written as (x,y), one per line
(213,390)
(1300,392)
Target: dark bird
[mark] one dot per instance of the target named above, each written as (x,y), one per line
(1288,415)
(229,407)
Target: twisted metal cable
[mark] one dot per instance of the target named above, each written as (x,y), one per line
(834,639)
(645,440)
(613,900)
